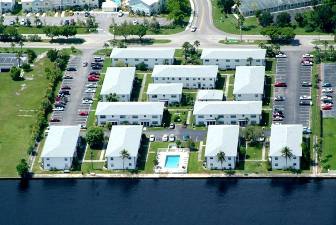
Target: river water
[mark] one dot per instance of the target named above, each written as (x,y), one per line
(169,202)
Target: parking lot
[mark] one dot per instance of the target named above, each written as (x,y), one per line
(290,71)
(77,102)
(329,76)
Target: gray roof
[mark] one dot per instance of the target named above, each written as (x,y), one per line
(118,80)
(143,53)
(122,137)
(249,80)
(289,135)
(209,95)
(233,53)
(253,5)
(168,89)
(130,108)
(8,60)
(222,138)
(227,107)
(61,141)
(185,71)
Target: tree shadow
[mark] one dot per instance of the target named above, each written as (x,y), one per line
(68,41)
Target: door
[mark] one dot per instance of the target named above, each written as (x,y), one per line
(145,123)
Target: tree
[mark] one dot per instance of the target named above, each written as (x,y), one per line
(31,55)
(287,153)
(15,73)
(124,155)
(178,10)
(300,20)
(265,19)
(283,19)
(279,35)
(221,158)
(196,44)
(112,98)
(23,168)
(52,54)
(140,30)
(241,21)
(95,137)
(249,60)
(253,133)
(226,5)
(68,31)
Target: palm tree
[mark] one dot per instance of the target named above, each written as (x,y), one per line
(21,44)
(287,153)
(197,44)
(124,155)
(221,158)
(249,60)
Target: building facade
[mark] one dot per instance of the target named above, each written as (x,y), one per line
(167,93)
(133,113)
(7,5)
(147,7)
(290,136)
(222,139)
(191,76)
(45,5)
(230,58)
(123,138)
(227,113)
(148,56)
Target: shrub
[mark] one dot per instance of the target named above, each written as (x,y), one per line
(15,73)
(34,38)
(26,67)
(95,137)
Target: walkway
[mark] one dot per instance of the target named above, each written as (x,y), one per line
(142,87)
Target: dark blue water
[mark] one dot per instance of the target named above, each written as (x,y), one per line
(168,202)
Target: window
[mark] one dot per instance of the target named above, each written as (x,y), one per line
(129,158)
(154,96)
(156,78)
(229,164)
(136,60)
(47,158)
(294,164)
(111,158)
(256,95)
(228,60)
(122,116)
(180,78)
(253,116)
(211,157)
(229,158)
(294,157)
(207,60)
(130,164)
(163,78)
(48,164)
(257,60)
(236,60)
(239,95)
(173,78)
(275,158)
(187,78)
(146,60)
(276,164)
(135,117)
(102,117)
(233,122)
(155,117)
(65,159)
(155,122)
(233,116)
(200,117)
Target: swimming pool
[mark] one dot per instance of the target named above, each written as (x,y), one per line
(118,2)
(172,161)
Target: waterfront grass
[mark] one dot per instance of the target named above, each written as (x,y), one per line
(20,101)
(93,154)
(329,143)
(254,152)
(151,155)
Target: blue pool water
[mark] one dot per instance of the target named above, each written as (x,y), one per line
(118,2)
(172,161)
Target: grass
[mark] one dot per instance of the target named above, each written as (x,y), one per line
(329,143)
(321,42)
(254,152)
(20,99)
(179,117)
(230,96)
(94,152)
(39,30)
(238,42)
(252,167)
(11,50)
(149,80)
(149,166)
(195,166)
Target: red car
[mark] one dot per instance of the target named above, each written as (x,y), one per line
(83,113)
(327,107)
(65,87)
(55,120)
(93,78)
(280,84)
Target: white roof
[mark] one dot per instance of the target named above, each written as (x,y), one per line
(109,4)
(61,141)
(222,138)
(143,53)
(130,108)
(122,137)
(233,53)
(249,80)
(150,2)
(118,80)
(212,95)
(185,71)
(165,89)
(227,107)
(289,135)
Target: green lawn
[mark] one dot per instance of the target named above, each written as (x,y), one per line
(195,166)
(329,144)
(11,50)
(179,117)
(254,152)
(149,80)
(252,167)
(39,30)
(95,154)
(230,90)
(149,167)
(19,101)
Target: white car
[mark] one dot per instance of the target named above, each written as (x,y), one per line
(171,137)
(90,90)
(327,90)
(281,55)
(307,56)
(165,137)
(152,138)
(326,98)
(58,109)
(135,22)
(193,29)
(120,13)
(305,97)
(92,85)
(87,101)
(306,63)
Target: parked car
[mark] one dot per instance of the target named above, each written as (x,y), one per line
(67,77)
(86,14)
(172,126)
(65,87)
(305,102)
(277,114)
(59,104)
(135,22)
(326,97)
(96,67)
(152,138)
(277,118)
(85,64)
(94,73)
(306,84)
(91,85)
(165,137)
(281,55)
(305,97)
(326,84)
(64,92)
(326,107)
(120,13)
(328,101)
(55,120)
(93,79)
(327,104)
(58,109)
(83,113)
(71,68)
(280,84)
(171,138)
(307,56)
(90,90)
(87,101)
(98,59)
(306,63)
(306,130)
(185,137)
(279,98)
(327,90)
(193,29)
